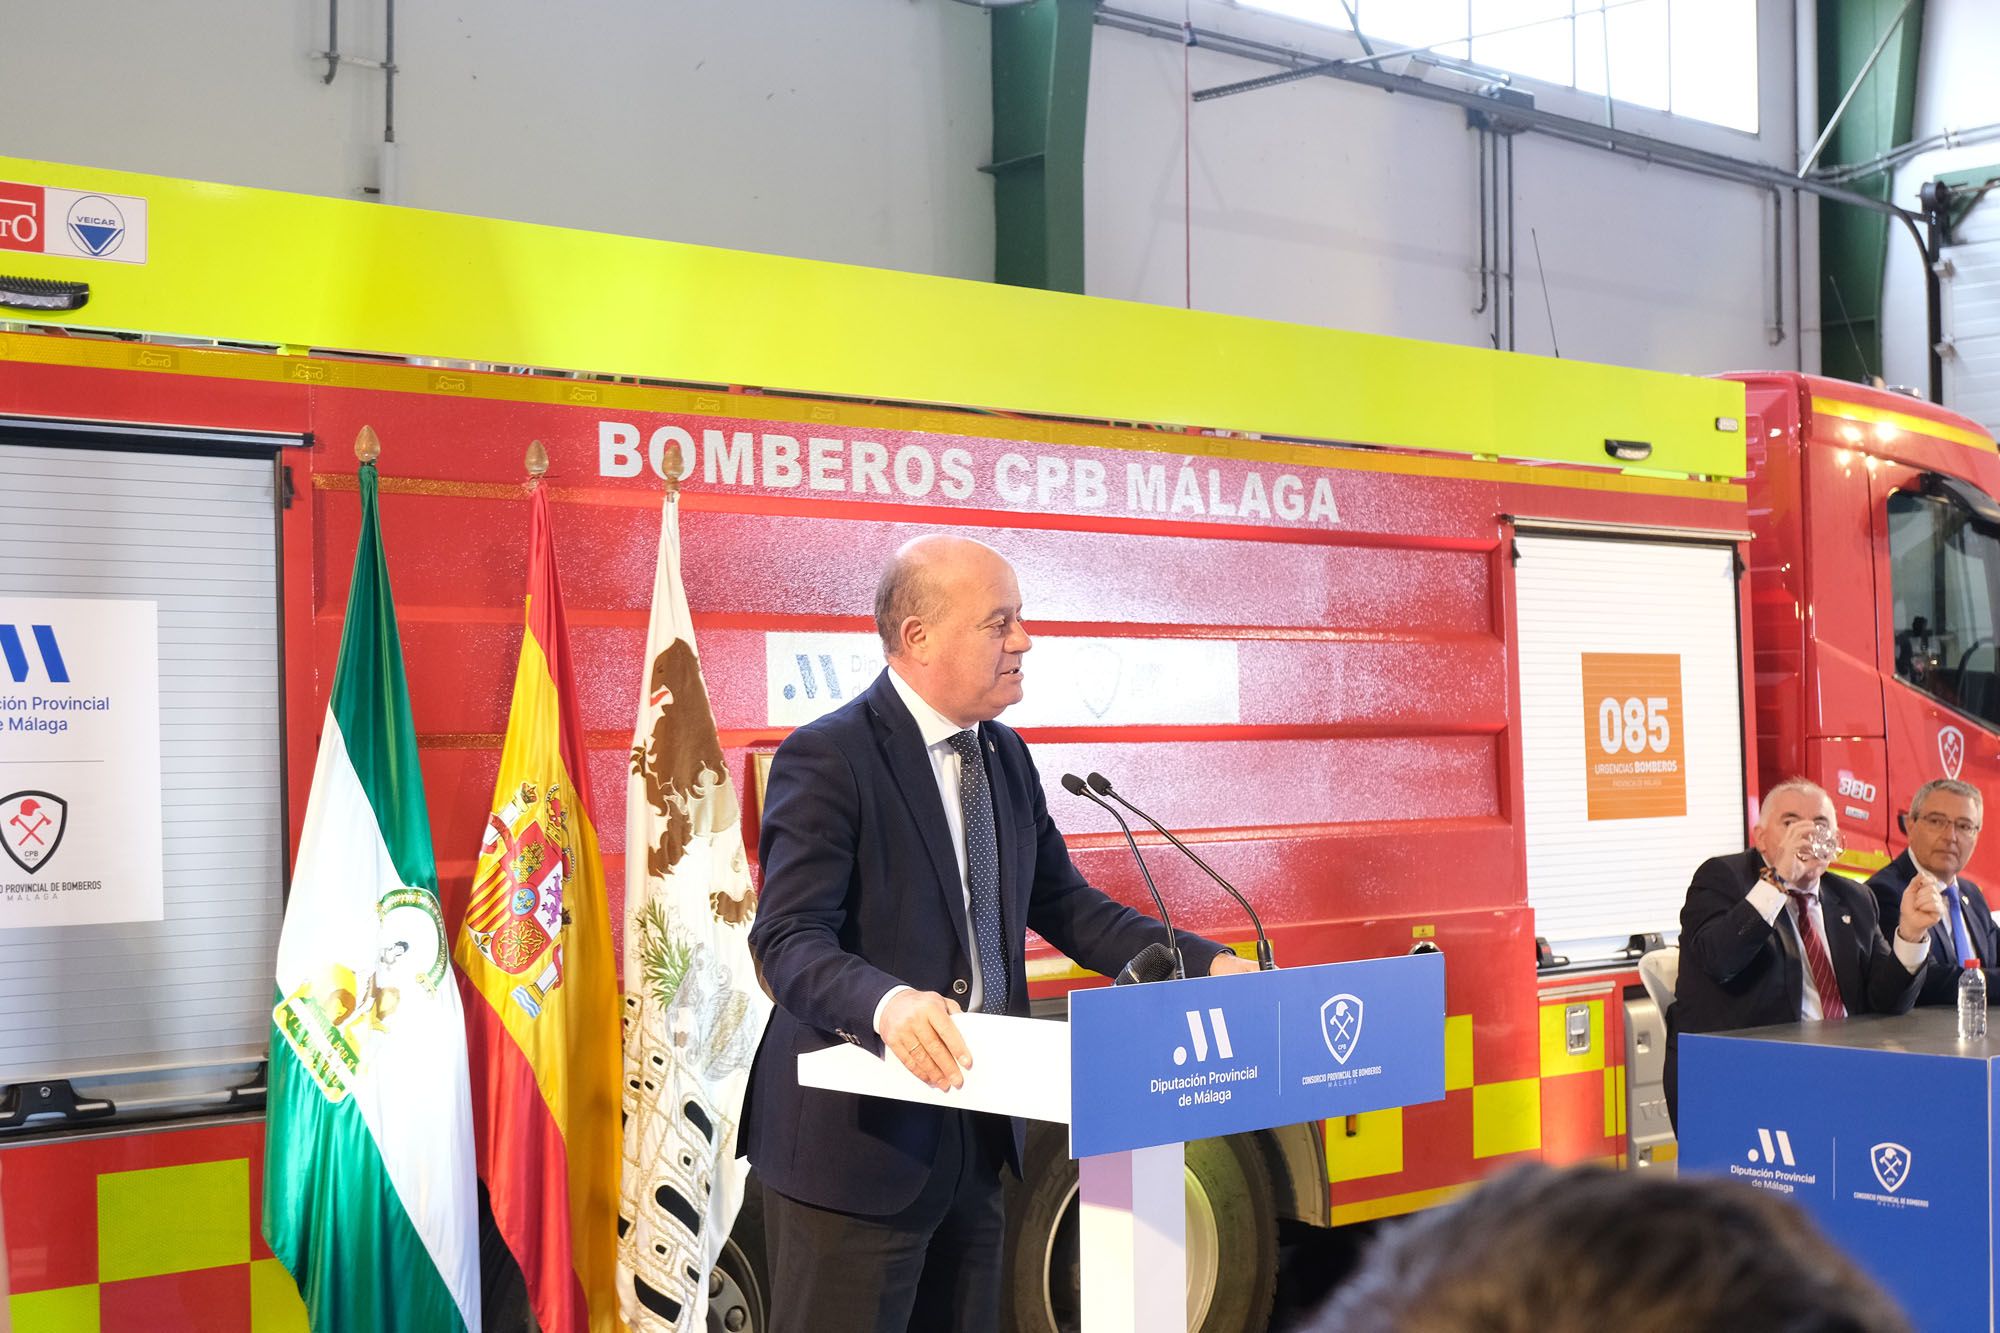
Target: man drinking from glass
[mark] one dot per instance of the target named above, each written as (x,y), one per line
(1768,936)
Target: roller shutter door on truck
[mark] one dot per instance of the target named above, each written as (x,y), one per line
(153,1013)
(1631,730)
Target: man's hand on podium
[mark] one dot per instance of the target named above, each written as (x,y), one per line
(917,1029)
(1226,963)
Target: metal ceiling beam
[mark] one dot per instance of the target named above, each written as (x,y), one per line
(1041,93)
(1568,128)
(1868,73)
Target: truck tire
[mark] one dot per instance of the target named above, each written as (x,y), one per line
(740,1283)
(1232,1238)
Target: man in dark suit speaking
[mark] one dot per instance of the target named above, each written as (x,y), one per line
(1943,826)
(907,850)
(1767,936)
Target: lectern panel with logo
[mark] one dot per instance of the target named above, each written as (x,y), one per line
(1194,1059)
(1884,1129)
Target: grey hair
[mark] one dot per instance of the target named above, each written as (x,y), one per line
(1950,787)
(909,587)
(1792,784)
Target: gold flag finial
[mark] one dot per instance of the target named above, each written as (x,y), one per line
(367,445)
(670,464)
(538,459)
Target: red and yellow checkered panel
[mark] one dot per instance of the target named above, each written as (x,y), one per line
(150,1232)
(1514,1091)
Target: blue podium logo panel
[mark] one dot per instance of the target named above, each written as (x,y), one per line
(1180,1060)
(1887,1150)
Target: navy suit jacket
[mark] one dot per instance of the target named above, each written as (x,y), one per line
(1940,984)
(862,893)
(1741,971)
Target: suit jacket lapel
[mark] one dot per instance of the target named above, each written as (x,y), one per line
(903,751)
(1844,947)
(1790,947)
(1978,921)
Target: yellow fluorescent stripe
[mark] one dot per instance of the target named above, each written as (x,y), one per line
(1393,1205)
(1458,1052)
(252,265)
(1886,419)
(1374,1149)
(1506,1117)
(374,377)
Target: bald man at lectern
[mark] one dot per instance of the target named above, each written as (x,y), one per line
(907,849)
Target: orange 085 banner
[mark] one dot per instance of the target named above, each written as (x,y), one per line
(1634,763)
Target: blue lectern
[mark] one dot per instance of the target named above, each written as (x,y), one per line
(1884,1129)
(1139,1070)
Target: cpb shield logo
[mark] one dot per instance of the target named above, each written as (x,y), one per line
(31,825)
(1892,1165)
(1340,1025)
(1951,750)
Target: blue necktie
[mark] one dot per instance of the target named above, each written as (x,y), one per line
(982,872)
(1958,940)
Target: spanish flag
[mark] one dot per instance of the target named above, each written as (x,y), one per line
(541,999)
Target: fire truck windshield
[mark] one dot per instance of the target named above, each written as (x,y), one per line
(1945,584)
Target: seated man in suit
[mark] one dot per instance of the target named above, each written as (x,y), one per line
(1767,936)
(907,851)
(1943,826)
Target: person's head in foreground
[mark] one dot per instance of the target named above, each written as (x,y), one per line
(1591,1250)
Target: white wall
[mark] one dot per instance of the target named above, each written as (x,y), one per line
(1334,203)
(1956,90)
(848,131)
(854,131)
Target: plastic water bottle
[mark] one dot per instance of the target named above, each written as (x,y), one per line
(1972,1003)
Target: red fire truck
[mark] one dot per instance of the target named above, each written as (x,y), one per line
(1481,689)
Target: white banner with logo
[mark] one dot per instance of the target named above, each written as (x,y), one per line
(79,762)
(1068,682)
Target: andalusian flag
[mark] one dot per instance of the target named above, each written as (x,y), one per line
(369,1195)
(541,994)
(693,1010)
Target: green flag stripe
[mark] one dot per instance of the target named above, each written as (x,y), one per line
(371,703)
(333,1218)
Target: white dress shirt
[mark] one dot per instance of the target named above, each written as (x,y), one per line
(937,730)
(1769,900)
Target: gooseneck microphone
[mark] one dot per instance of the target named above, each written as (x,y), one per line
(1102,785)
(1149,964)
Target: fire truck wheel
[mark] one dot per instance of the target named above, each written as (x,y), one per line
(1232,1238)
(741,1276)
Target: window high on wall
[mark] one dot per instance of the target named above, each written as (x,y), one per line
(1693,58)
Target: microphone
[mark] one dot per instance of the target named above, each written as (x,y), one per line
(1138,969)
(1101,784)
(1152,963)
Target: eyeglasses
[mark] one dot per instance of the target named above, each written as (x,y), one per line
(1965,828)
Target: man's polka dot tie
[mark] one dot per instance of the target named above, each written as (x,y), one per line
(982,872)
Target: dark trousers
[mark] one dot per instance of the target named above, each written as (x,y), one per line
(933,1267)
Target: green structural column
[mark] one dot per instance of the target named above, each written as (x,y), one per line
(1041,94)
(1853,243)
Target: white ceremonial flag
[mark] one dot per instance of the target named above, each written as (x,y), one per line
(693,1010)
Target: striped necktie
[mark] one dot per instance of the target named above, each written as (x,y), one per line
(1828,985)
